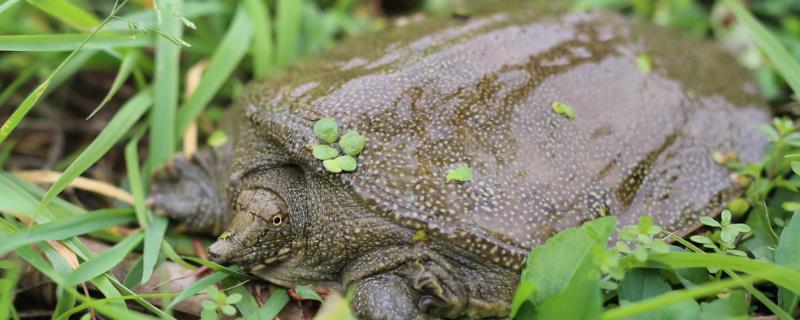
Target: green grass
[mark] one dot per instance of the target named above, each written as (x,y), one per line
(149,49)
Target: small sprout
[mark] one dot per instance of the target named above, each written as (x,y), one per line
(644,63)
(643,239)
(346,163)
(738,207)
(563,109)
(217,138)
(461,173)
(326,130)
(307,292)
(332,166)
(218,301)
(726,236)
(324,152)
(225,235)
(352,143)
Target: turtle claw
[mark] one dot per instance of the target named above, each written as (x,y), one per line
(185,191)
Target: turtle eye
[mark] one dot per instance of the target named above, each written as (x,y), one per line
(277,220)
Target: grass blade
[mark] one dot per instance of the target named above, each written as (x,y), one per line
(7,4)
(165,90)
(135,179)
(198,286)
(66,228)
(262,37)
(67,42)
(673,297)
(22,110)
(68,13)
(275,304)
(122,121)
(153,236)
(785,64)
(288,21)
(21,79)
(11,272)
(226,57)
(125,68)
(786,277)
(103,262)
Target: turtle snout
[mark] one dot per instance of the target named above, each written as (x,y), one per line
(220,251)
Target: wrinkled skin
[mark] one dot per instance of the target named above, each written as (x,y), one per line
(479,92)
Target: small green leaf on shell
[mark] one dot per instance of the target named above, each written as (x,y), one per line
(352,143)
(326,130)
(420,237)
(217,138)
(563,109)
(332,166)
(644,63)
(461,173)
(225,235)
(324,152)
(347,163)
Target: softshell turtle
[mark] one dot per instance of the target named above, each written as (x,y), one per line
(478,92)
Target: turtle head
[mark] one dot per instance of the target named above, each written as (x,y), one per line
(261,232)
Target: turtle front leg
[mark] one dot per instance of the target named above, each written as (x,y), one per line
(193,191)
(386,297)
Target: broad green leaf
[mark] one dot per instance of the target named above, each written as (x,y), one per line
(788,254)
(166,89)
(307,292)
(68,13)
(103,262)
(122,121)
(583,287)
(332,166)
(552,266)
(261,49)
(347,163)
(197,286)
(65,228)
(730,308)
(288,21)
(641,284)
(68,42)
(153,236)
(275,304)
(226,57)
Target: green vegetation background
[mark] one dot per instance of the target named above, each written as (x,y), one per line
(130,62)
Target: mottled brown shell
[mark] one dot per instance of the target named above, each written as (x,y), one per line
(479,92)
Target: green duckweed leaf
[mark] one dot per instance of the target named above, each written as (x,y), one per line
(352,143)
(324,152)
(326,130)
(332,166)
(563,109)
(347,163)
(644,63)
(461,173)
(217,138)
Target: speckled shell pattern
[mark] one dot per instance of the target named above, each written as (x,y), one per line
(479,92)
